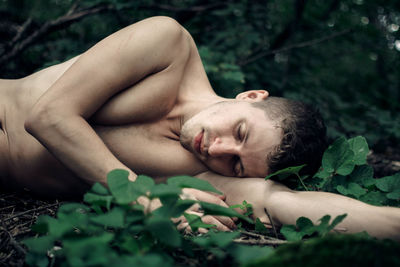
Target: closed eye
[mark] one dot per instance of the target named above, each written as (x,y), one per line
(241,132)
(237,166)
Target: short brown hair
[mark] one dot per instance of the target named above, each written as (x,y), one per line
(304,134)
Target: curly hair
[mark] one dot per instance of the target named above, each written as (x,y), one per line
(304,134)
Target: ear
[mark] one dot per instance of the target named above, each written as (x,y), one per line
(253,95)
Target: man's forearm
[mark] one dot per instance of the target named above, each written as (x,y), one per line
(381,222)
(274,201)
(74,143)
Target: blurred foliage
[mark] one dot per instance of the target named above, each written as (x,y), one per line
(342,56)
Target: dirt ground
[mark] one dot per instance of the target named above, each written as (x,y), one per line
(19,211)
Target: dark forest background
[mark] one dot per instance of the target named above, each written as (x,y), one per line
(342,56)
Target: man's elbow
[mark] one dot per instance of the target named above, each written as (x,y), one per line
(39,119)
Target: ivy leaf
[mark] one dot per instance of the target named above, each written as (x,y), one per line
(40,244)
(246,255)
(164,230)
(339,158)
(360,149)
(390,185)
(192,182)
(374,198)
(337,220)
(143,184)
(214,209)
(165,190)
(98,200)
(218,239)
(363,175)
(195,222)
(175,210)
(121,188)
(290,233)
(99,189)
(284,173)
(113,218)
(260,227)
(351,189)
(305,227)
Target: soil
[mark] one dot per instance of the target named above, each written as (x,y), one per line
(19,211)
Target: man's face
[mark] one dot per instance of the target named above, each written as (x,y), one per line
(232,138)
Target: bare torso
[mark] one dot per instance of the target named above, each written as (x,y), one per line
(142,146)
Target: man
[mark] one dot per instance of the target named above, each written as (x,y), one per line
(131,102)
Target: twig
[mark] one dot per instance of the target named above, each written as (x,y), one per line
(272,223)
(32,210)
(21,32)
(294,46)
(184,9)
(15,244)
(260,241)
(71,16)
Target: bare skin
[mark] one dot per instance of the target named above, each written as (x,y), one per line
(140,100)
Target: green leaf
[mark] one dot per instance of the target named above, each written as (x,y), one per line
(339,158)
(192,182)
(374,198)
(113,218)
(40,244)
(222,239)
(390,185)
(175,210)
(164,230)
(69,208)
(284,173)
(393,195)
(290,233)
(305,227)
(143,184)
(363,175)
(121,188)
(195,222)
(41,224)
(214,209)
(360,148)
(351,189)
(163,190)
(99,189)
(216,239)
(98,200)
(337,220)
(251,254)
(260,227)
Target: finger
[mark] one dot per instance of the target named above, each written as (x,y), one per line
(206,197)
(203,196)
(227,221)
(202,230)
(218,225)
(182,226)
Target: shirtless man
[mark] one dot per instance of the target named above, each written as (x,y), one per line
(140,100)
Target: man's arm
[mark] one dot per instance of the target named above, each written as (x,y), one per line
(285,206)
(156,47)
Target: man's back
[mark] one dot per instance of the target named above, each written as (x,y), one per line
(140,125)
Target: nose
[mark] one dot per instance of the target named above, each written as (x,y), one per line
(223,147)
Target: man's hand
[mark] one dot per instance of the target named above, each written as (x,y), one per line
(222,223)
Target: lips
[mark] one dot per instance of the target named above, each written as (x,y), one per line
(198,140)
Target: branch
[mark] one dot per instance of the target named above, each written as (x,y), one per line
(71,16)
(257,239)
(184,9)
(291,26)
(30,211)
(294,46)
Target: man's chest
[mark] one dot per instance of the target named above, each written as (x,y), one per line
(150,149)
